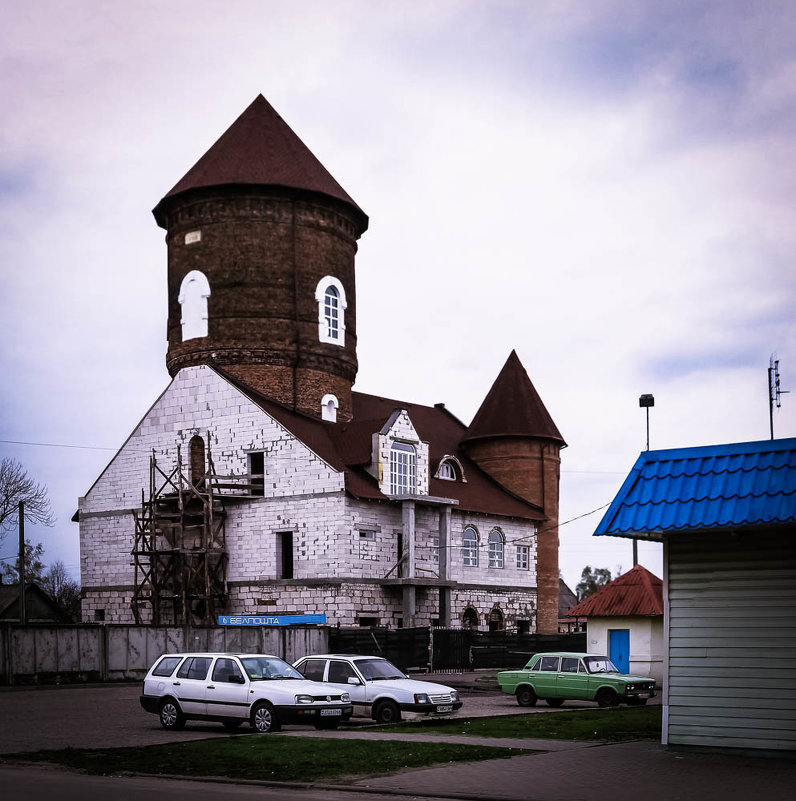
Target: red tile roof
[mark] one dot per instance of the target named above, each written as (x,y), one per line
(346,446)
(637,592)
(513,408)
(260,148)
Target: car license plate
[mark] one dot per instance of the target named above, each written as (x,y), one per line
(331,712)
(445,709)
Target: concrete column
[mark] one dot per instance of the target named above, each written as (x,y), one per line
(445,606)
(408,515)
(444,542)
(409,606)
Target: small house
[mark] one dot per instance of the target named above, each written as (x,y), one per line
(624,619)
(726,515)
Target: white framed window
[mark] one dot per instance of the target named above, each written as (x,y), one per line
(194,292)
(470,547)
(523,557)
(331,299)
(435,549)
(329,405)
(403,469)
(496,548)
(446,471)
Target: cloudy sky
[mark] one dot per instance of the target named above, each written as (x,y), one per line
(606,186)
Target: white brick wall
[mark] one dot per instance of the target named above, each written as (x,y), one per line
(302,495)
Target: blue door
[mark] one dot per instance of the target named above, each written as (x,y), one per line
(619,649)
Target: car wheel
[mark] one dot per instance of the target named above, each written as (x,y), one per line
(263,718)
(526,696)
(171,717)
(386,712)
(554,701)
(231,725)
(606,697)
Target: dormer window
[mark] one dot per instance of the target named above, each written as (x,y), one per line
(329,406)
(332,304)
(403,469)
(450,469)
(446,471)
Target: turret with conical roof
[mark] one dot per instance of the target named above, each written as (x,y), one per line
(513,438)
(261,246)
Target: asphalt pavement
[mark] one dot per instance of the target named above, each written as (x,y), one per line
(555,771)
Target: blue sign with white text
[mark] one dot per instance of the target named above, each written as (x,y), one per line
(270,620)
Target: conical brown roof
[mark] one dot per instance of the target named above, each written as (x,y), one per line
(637,592)
(260,148)
(513,408)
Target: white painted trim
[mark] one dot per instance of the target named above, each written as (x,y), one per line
(320,296)
(194,319)
(329,412)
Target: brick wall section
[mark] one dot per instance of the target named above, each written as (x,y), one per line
(530,468)
(263,254)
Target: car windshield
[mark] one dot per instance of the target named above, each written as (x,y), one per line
(373,669)
(600,664)
(261,668)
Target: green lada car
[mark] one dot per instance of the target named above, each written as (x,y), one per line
(577,677)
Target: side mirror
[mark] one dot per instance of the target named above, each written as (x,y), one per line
(237,680)
(354,680)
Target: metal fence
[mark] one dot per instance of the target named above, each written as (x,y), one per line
(47,654)
(452,650)
(52,653)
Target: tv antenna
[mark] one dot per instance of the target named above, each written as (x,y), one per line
(774,390)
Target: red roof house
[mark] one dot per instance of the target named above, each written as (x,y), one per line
(625,620)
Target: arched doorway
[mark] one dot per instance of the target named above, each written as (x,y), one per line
(469,618)
(197,460)
(496,620)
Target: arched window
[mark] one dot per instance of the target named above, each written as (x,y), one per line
(403,469)
(470,547)
(332,304)
(446,471)
(329,405)
(450,469)
(469,618)
(197,446)
(496,548)
(194,292)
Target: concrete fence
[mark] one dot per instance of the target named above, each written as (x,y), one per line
(47,654)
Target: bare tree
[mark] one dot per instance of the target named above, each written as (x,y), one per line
(15,486)
(63,589)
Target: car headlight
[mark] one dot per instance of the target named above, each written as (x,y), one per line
(422,698)
(630,687)
(345,698)
(304,699)
(454,695)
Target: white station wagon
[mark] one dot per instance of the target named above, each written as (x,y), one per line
(378,688)
(234,688)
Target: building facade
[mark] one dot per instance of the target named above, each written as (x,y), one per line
(261,482)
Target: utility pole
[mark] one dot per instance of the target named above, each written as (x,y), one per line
(22,615)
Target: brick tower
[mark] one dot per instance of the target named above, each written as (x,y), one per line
(513,438)
(261,244)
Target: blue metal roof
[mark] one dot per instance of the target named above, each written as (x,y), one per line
(710,487)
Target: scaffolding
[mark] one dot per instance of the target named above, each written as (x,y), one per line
(179,552)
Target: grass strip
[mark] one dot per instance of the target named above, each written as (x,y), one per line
(269,758)
(615,724)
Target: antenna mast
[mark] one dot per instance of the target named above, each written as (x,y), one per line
(774,390)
